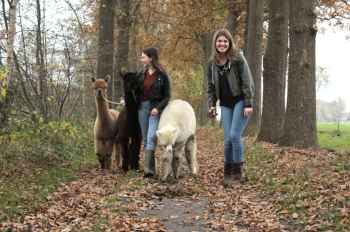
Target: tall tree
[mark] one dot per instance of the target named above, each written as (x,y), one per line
(105,43)
(134,63)
(275,65)
(300,124)
(122,62)
(246,26)
(254,54)
(11,38)
(233,8)
(206,44)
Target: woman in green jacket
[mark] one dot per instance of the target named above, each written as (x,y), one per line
(229,80)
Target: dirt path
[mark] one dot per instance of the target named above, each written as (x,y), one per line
(117,201)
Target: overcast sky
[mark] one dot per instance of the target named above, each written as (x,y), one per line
(333,52)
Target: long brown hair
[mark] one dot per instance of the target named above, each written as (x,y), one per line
(153,53)
(232,50)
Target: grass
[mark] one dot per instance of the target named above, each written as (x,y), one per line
(331,139)
(301,180)
(36,158)
(328,127)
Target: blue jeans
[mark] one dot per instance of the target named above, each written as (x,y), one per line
(149,126)
(233,123)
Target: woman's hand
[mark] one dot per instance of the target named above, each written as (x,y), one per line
(213,111)
(122,102)
(248,111)
(154,112)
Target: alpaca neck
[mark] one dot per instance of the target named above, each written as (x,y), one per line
(102,108)
(131,107)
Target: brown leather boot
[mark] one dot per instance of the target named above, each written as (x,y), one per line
(228,171)
(237,174)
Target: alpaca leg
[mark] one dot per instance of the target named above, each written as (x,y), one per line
(99,151)
(135,148)
(131,148)
(191,155)
(108,153)
(126,154)
(117,152)
(166,165)
(176,164)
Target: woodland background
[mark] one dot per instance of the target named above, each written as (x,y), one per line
(50,48)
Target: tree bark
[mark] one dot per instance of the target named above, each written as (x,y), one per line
(134,55)
(11,40)
(232,18)
(122,63)
(300,128)
(246,26)
(206,44)
(275,63)
(254,55)
(105,43)
(42,79)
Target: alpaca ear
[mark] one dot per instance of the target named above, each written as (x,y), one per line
(92,79)
(121,74)
(107,78)
(174,130)
(159,133)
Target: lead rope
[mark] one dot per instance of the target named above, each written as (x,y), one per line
(111,101)
(209,115)
(120,103)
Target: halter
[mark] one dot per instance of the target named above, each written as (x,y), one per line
(127,86)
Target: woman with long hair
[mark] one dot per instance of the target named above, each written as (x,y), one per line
(230,81)
(155,94)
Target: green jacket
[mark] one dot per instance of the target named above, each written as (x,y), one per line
(239,78)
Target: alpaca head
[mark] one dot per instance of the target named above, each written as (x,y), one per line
(167,137)
(100,86)
(130,81)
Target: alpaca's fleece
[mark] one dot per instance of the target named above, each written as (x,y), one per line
(176,126)
(105,129)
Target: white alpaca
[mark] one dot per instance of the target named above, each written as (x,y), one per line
(176,126)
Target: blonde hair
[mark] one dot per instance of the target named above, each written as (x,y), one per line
(232,51)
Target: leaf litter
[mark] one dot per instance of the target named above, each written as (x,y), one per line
(285,189)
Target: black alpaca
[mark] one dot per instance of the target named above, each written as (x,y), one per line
(128,126)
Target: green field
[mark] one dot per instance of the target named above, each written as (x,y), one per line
(330,137)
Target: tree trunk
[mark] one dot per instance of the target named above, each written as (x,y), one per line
(254,54)
(39,57)
(206,44)
(134,55)
(11,40)
(300,128)
(246,26)
(105,44)
(122,63)
(232,18)
(275,63)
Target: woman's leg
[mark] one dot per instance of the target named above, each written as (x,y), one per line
(151,135)
(238,123)
(226,117)
(144,115)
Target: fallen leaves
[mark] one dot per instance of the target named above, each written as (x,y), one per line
(283,186)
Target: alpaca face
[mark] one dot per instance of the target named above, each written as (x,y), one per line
(167,137)
(100,86)
(130,81)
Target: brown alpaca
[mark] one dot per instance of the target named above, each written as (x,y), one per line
(105,129)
